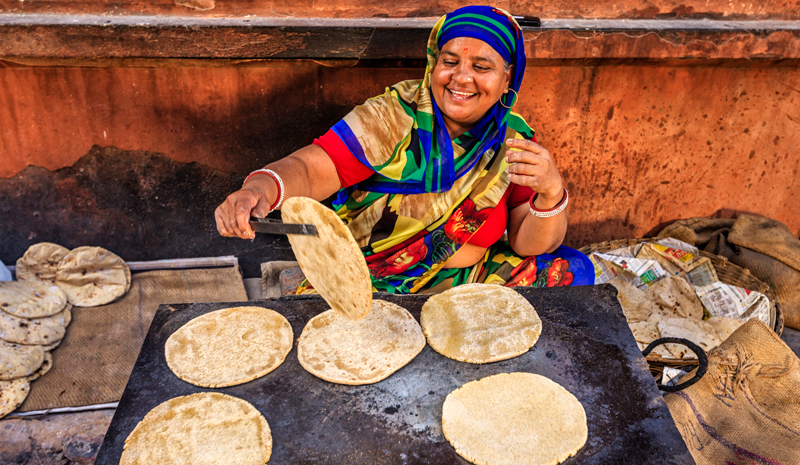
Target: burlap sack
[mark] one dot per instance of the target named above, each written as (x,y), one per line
(746,409)
(765,247)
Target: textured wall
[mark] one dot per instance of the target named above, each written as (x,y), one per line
(786,9)
(638,145)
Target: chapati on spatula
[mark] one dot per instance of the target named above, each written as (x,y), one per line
(40,262)
(514,419)
(31,299)
(93,276)
(207,428)
(17,360)
(332,261)
(230,346)
(12,394)
(35,331)
(366,351)
(480,323)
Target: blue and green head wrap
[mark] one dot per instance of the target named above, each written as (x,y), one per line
(423,161)
(493,26)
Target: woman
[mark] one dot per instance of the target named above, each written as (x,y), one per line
(430,174)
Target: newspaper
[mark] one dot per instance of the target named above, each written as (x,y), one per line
(699,271)
(641,273)
(722,299)
(678,244)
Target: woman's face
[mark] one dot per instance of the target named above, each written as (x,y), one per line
(468,79)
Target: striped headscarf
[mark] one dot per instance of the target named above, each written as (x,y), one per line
(424,160)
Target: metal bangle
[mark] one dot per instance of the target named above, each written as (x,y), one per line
(551,212)
(277,179)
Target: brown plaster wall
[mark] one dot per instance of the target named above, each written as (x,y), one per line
(638,145)
(639,9)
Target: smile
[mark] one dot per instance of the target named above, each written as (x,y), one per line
(456,95)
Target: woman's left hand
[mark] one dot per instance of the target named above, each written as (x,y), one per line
(533,166)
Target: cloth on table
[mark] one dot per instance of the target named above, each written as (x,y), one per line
(94,360)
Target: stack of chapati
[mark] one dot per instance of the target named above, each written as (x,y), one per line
(33,320)
(36,310)
(670,308)
(90,276)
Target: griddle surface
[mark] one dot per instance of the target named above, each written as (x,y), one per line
(585,346)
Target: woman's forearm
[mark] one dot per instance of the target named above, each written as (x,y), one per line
(308,172)
(532,235)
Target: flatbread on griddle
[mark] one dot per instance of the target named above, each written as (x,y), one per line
(514,419)
(480,323)
(92,276)
(35,331)
(230,346)
(200,429)
(332,261)
(31,299)
(47,364)
(13,394)
(17,360)
(366,351)
(40,262)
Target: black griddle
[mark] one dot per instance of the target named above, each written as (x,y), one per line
(585,346)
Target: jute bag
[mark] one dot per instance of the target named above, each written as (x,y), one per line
(766,247)
(746,409)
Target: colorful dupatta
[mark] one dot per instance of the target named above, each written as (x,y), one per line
(430,194)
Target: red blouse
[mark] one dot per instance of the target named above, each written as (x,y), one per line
(351,171)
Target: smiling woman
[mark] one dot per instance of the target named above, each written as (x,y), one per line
(432,173)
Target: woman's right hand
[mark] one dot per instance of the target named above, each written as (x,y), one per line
(233,216)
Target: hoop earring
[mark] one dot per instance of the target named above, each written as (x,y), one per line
(516,97)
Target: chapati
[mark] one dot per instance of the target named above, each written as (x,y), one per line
(40,262)
(332,261)
(725,326)
(35,331)
(514,418)
(230,346)
(480,323)
(207,428)
(366,351)
(47,364)
(92,276)
(50,347)
(697,331)
(12,394)
(675,295)
(645,332)
(635,304)
(31,299)
(17,360)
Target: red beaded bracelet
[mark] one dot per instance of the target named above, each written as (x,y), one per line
(277,179)
(551,212)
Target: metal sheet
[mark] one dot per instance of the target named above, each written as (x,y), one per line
(585,346)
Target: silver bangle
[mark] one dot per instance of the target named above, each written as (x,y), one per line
(277,179)
(548,213)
